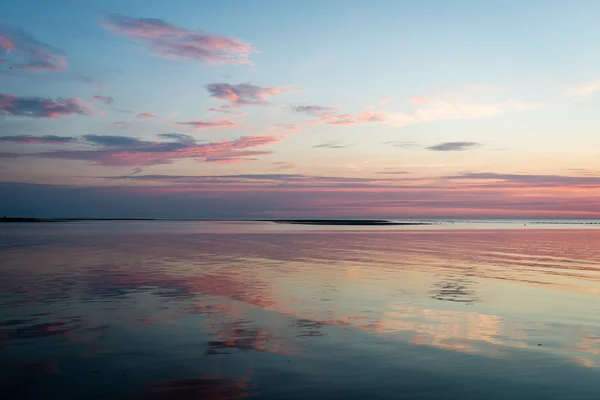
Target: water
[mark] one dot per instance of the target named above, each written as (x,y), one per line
(230,310)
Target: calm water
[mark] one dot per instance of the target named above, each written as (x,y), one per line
(199,310)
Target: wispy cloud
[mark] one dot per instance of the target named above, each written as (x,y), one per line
(402,143)
(42,107)
(270,179)
(282,165)
(393,172)
(130,151)
(313,109)
(173,42)
(349,119)
(178,137)
(22,51)
(218,123)
(453,146)
(242,94)
(585,88)
(228,160)
(531,180)
(146,115)
(332,145)
(433,110)
(104,99)
(46,139)
(114,140)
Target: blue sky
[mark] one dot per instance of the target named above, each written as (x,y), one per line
(380,108)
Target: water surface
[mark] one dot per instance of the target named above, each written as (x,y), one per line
(227,310)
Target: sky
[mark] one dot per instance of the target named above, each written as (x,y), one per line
(276,109)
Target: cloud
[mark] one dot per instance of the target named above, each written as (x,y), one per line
(332,145)
(222,109)
(426,110)
(453,146)
(531,180)
(178,137)
(113,140)
(121,110)
(371,117)
(281,165)
(586,88)
(417,100)
(267,180)
(22,51)
(42,107)
(219,123)
(225,160)
(146,115)
(285,129)
(172,42)
(390,172)
(349,119)
(313,109)
(92,82)
(238,95)
(433,110)
(401,143)
(294,195)
(46,139)
(128,151)
(104,99)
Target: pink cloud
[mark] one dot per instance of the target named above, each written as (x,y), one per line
(172,42)
(6,43)
(371,117)
(200,125)
(416,100)
(585,88)
(104,99)
(284,165)
(331,118)
(26,53)
(146,115)
(238,95)
(129,151)
(41,107)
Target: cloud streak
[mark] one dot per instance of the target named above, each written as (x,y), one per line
(585,88)
(22,51)
(530,179)
(201,125)
(41,107)
(104,99)
(173,42)
(46,139)
(453,146)
(113,150)
(146,115)
(313,109)
(242,94)
(332,145)
(349,119)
